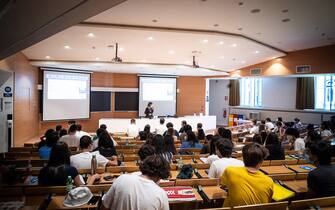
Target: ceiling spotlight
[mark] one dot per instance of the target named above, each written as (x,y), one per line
(221,43)
(143,60)
(274,57)
(67,47)
(234,45)
(195,64)
(171,52)
(154,21)
(256,52)
(205,40)
(221,57)
(216,25)
(150,38)
(97,59)
(116,59)
(255,11)
(91,35)
(121,49)
(47,57)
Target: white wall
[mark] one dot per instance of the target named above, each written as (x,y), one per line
(217,103)
(279,92)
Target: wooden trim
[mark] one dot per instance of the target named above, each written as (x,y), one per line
(283,110)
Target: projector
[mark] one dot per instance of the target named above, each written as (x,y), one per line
(117,60)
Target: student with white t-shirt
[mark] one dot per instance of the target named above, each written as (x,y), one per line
(83,159)
(71,139)
(132,129)
(131,191)
(224,149)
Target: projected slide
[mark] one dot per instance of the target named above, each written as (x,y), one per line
(66,95)
(159,90)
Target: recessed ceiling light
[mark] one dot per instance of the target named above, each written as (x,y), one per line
(221,57)
(121,49)
(240,29)
(154,21)
(221,42)
(143,60)
(216,25)
(90,35)
(255,11)
(274,57)
(97,59)
(286,20)
(171,52)
(205,40)
(256,52)
(240,3)
(323,34)
(67,47)
(284,10)
(234,45)
(47,57)
(150,38)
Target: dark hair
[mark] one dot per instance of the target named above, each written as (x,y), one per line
(132,121)
(73,128)
(184,122)
(187,128)
(262,121)
(158,143)
(225,147)
(322,150)
(220,130)
(254,121)
(58,127)
(272,139)
(79,127)
(212,146)
(62,132)
(162,121)
(155,166)
(169,125)
(325,125)
(292,132)
(71,122)
(99,131)
(201,134)
(59,155)
(310,127)
(253,154)
(170,131)
(296,119)
(103,126)
(105,141)
(199,125)
(145,151)
(263,134)
(257,138)
(150,138)
(279,124)
(150,103)
(48,132)
(169,144)
(51,139)
(226,134)
(85,142)
(280,119)
(268,119)
(191,137)
(147,128)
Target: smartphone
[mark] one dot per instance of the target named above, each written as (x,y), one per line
(108,178)
(94,200)
(306,168)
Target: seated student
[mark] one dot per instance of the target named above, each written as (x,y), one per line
(168,126)
(145,151)
(58,168)
(105,146)
(62,132)
(279,129)
(50,140)
(182,128)
(321,181)
(142,192)
(268,124)
(132,129)
(212,146)
(255,127)
(200,132)
(160,129)
(103,126)
(79,132)
(168,148)
(191,141)
(58,128)
(297,124)
(42,138)
(224,149)
(183,135)
(247,185)
(257,138)
(171,132)
(293,139)
(326,133)
(71,139)
(206,147)
(226,134)
(83,159)
(144,134)
(276,151)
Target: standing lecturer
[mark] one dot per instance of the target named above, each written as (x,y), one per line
(149,111)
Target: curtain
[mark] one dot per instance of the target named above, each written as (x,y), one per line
(234,92)
(305,93)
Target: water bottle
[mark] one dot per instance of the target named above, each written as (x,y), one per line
(69,184)
(180,163)
(94,165)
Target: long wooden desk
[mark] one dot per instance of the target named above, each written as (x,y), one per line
(298,186)
(299,169)
(271,170)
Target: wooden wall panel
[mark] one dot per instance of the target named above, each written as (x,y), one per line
(25,118)
(191,96)
(101,79)
(321,60)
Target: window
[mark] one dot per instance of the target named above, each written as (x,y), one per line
(251,92)
(325,92)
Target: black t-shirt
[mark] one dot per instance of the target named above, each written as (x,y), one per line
(175,133)
(149,112)
(276,152)
(143,135)
(56,175)
(322,180)
(107,152)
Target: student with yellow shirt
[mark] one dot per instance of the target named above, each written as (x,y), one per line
(247,185)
